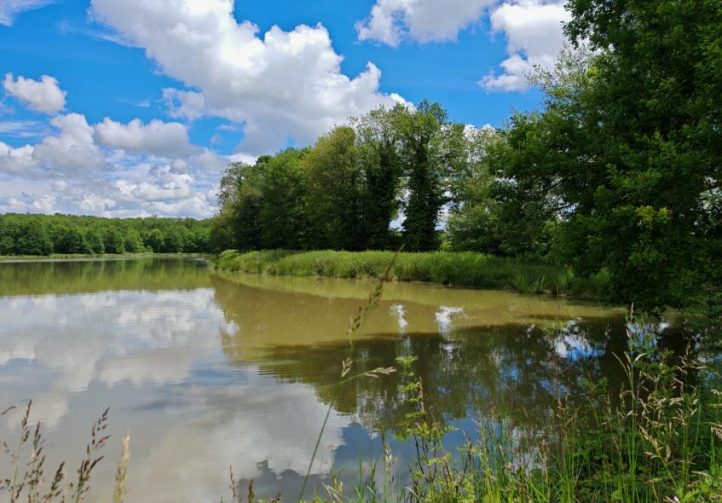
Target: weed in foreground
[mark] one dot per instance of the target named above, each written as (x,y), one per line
(28,481)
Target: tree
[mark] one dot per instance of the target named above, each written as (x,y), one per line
(281,217)
(32,238)
(153,240)
(335,192)
(237,225)
(650,108)
(428,156)
(379,161)
(475,217)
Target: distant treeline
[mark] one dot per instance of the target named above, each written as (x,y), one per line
(69,234)
(619,175)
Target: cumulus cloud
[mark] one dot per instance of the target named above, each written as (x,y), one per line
(11,8)
(160,138)
(391,21)
(68,152)
(280,85)
(16,161)
(72,150)
(111,169)
(42,95)
(533,29)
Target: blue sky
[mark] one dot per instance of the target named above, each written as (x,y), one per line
(135,107)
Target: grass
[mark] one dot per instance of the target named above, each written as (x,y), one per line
(27,480)
(461,269)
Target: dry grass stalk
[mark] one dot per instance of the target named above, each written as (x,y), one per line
(121,473)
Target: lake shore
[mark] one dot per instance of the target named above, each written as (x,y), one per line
(57,257)
(457,269)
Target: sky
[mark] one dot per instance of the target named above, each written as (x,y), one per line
(135,107)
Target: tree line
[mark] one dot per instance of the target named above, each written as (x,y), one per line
(24,234)
(619,174)
(345,191)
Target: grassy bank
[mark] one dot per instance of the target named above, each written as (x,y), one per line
(463,269)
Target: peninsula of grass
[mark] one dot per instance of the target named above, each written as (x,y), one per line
(458,269)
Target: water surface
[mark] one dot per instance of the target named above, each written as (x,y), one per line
(208,371)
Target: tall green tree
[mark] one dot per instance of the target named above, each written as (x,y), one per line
(429,152)
(377,149)
(237,224)
(650,163)
(281,217)
(335,192)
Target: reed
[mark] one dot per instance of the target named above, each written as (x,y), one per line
(459,269)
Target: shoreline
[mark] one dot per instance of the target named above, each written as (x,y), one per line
(11,259)
(451,269)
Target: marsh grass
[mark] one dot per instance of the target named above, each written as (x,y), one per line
(460,269)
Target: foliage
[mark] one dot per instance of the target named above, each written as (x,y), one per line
(629,142)
(79,235)
(463,269)
(430,149)
(344,192)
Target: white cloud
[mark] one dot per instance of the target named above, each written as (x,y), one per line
(391,21)
(184,104)
(111,169)
(11,8)
(533,29)
(160,138)
(22,129)
(42,95)
(16,161)
(280,85)
(72,150)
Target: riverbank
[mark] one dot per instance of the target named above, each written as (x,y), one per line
(458,269)
(94,256)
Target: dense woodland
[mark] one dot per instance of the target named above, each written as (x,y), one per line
(69,234)
(619,173)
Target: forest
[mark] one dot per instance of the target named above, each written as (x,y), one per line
(619,174)
(73,235)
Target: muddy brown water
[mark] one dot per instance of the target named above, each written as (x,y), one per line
(207,370)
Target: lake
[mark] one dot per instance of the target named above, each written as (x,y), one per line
(208,371)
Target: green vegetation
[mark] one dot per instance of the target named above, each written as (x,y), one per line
(44,235)
(343,192)
(461,269)
(620,174)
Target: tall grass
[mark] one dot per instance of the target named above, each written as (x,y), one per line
(28,481)
(462,269)
(657,439)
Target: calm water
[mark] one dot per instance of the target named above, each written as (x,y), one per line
(208,371)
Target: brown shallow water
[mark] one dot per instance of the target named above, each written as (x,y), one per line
(208,371)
